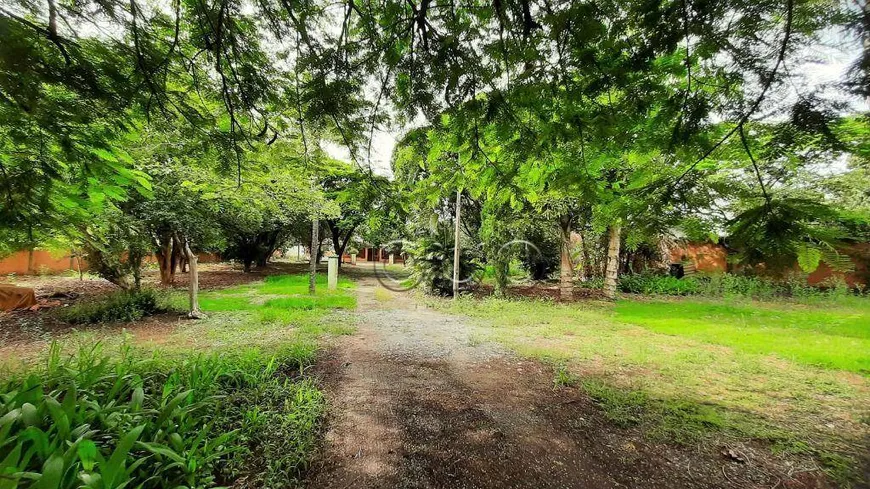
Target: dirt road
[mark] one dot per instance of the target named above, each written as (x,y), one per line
(417,401)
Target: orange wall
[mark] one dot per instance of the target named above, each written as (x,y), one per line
(42,261)
(45,262)
(707,257)
(860,256)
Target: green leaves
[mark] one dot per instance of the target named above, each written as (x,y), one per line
(808,258)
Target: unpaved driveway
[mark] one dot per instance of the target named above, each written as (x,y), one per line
(417,402)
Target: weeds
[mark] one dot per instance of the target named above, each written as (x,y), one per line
(564,378)
(123,306)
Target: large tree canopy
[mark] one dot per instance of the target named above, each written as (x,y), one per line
(612,115)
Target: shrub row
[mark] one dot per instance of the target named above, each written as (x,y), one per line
(720,285)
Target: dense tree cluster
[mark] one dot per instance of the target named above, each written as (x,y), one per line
(132,127)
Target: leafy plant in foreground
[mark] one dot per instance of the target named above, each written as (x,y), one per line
(99,422)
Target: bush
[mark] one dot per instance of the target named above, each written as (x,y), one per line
(657,284)
(433,264)
(117,307)
(94,421)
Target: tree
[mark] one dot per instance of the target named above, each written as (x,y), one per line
(357,195)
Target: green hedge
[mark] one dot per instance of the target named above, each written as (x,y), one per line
(725,285)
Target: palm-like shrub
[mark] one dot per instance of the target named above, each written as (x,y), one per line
(432,261)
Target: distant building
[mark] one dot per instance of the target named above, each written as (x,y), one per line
(374,254)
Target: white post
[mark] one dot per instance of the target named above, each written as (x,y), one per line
(332,273)
(392,258)
(353,258)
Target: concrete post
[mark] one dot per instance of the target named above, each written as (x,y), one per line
(353,258)
(332,273)
(392,258)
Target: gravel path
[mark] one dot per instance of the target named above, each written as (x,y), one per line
(417,402)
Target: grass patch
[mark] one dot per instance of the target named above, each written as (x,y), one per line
(562,377)
(836,338)
(688,369)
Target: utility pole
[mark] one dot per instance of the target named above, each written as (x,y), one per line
(456,246)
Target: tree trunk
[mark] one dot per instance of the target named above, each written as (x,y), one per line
(193,289)
(611,273)
(581,269)
(319,250)
(134,259)
(30,246)
(164,260)
(500,265)
(336,238)
(566,268)
(177,252)
(588,269)
(456,250)
(315,256)
(79,266)
(338,243)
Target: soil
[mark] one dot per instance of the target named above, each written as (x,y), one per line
(24,334)
(416,402)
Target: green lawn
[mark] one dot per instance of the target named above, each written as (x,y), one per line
(192,403)
(795,375)
(832,337)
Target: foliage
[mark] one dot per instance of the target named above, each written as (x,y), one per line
(102,422)
(358,196)
(781,232)
(541,259)
(122,306)
(432,261)
(731,285)
(657,284)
